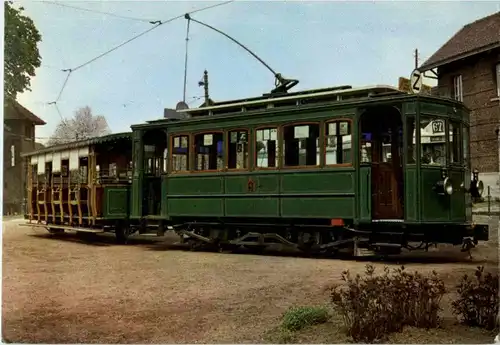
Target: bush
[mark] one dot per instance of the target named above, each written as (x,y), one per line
(374,306)
(299,317)
(477,302)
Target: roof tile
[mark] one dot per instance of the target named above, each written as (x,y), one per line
(477,35)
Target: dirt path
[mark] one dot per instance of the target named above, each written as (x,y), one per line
(65,290)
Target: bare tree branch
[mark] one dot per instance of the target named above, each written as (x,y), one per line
(82,126)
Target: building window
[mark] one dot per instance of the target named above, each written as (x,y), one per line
(12,155)
(209,151)
(301,145)
(237,154)
(338,142)
(465,146)
(458,88)
(28,131)
(498,78)
(266,147)
(180,153)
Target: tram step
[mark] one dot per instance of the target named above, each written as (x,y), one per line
(364,252)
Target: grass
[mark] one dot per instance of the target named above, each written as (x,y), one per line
(299,317)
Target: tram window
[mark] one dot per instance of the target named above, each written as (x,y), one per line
(338,143)
(432,141)
(411,140)
(266,147)
(237,149)
(151,162)
(165,160)
(301,145)
(209,150)
(180,153)
(455,142)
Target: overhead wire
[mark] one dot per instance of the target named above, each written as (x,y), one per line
(99,12)
(157,24)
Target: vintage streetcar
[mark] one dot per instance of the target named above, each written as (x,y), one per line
(321,171)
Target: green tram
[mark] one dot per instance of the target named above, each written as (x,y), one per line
(319,170)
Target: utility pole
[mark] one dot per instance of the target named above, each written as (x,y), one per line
(416,58)
(204,83)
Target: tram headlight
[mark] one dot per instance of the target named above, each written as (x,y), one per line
(444,187)
(448,186)
(476,186)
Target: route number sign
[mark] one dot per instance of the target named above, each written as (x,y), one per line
(416,81)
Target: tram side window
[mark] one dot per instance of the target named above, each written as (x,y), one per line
(266,147)
(411,140)
(432,141)
(180,153)
(209,150)
(237,149)
(338,142)
(301,145)
(455,142)
(152,164)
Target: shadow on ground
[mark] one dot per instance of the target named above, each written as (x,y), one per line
(170,243)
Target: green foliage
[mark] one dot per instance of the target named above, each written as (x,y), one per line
(21,55)
(477,302)
(372,307)
(299,317)
(279,335)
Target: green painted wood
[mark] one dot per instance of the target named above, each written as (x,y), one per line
(115,202)
(326,181)
(457,199)
(138,172)
(196,206)
(164,196)
(365,194)
(411,193)
(194,184)
(435,208)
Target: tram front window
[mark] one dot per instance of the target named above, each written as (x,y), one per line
(432,141)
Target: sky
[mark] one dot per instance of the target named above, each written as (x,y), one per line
(320,43)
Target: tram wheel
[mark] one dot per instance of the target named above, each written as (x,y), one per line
(193,245)
(55,231)
(122,233)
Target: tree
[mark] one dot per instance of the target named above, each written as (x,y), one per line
(83,125)
(21,55)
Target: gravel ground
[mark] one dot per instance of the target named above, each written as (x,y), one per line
(68,290)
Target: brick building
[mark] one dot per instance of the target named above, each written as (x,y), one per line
(468,69)
(19,137)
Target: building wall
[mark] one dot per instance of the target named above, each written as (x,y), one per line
(480,96)
(21,136)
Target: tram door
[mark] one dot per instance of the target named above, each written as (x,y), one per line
(155,142)
(381,148)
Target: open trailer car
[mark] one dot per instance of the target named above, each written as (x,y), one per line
(318,170)
(82,186)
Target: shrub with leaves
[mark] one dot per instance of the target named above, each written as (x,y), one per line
(299,317)
(477,302)
(374,306)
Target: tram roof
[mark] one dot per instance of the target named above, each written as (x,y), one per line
(80,143)
(319,97)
